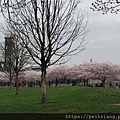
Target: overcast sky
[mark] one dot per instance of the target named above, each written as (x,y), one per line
(103,36)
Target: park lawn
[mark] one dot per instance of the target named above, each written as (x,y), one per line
(62,99)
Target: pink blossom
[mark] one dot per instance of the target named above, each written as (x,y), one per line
(30,75)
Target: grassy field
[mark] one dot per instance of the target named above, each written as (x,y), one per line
(67,99)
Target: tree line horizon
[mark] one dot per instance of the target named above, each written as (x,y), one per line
(103,71)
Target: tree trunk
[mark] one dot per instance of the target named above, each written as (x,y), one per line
(49,83)
(84,81)
(10,78)
(68,82)
(87,83)
(17,84)
(43,86)
(102,84)
(10,83)
(56,82)
(34,84)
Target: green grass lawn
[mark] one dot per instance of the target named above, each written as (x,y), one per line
(67,99)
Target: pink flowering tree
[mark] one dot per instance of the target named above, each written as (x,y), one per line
(73,74)
(80,73)
(84,72)
(69,74)
(56,74)
(3,78)
(103,71)
(30,76)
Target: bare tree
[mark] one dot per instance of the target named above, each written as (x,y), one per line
(106,5)
(15,58)
(21,59)
(51,30)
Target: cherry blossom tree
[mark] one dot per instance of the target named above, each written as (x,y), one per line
(3,77)
(78,73)
(15,56)
(52,75)
(84,72)
(30,76)
(68,74)
(57,73)
(103,71)
(73,74)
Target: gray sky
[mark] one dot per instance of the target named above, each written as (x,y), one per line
(104,37)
